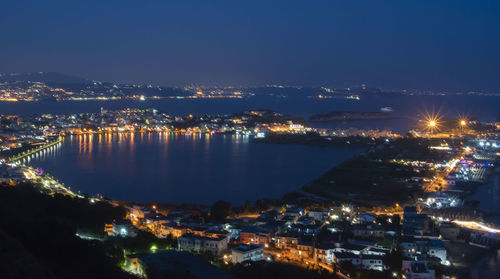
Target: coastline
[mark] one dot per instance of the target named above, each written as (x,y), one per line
(168,149)
(488,191)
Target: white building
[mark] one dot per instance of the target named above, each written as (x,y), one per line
(366,217)
(412,247)
(244,253)
(372,262)
(198,244)
(325,253)
(318,215)
(366,262)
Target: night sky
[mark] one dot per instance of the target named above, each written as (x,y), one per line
(453,45)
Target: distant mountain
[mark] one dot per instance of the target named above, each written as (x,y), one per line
(46,77)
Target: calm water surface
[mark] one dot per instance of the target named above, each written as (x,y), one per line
(171,168)
(489,195)
(488,267)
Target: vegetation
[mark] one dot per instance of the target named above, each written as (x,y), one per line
(220,210)
(315,139)
(143,242)
(362,178)
(272,270)
(380,176)
(38,236)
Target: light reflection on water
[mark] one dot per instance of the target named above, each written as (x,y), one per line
(178,168)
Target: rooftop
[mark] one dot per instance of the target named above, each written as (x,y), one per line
(193,236)
(247,248)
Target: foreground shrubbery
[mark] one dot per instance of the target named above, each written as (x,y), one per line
(38,236)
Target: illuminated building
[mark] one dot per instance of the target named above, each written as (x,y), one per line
(244,253)
(200,244)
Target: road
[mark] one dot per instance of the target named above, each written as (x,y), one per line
(476,226)
(440,177)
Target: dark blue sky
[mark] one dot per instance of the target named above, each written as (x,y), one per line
(422,44)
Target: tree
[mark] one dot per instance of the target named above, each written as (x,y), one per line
(44,228)
(259,204)
(396,221)
(220,210)
(247,207)
(394,260)
(347,267)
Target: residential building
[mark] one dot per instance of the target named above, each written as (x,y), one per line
(255,235)
(413,222)
(417,270)
(173,229)
(324,252)
(365,262)
(286,240)
(413,247)
(366,217)
(198,244)
(318,214)
(369,230)
(244,253)
(123,228)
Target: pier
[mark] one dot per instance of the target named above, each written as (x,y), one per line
(33,151)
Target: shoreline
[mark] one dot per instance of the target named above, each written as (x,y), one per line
(491,179)
(192,203)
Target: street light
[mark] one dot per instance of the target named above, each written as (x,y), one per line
(432,122)
(463,124)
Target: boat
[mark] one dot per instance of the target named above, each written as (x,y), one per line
(386,109)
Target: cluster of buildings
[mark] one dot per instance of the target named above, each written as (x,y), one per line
(10,175)
(355,132)
(317,237)
(330,237)
(14,89)
(54,86)
(14,128)
(475,166)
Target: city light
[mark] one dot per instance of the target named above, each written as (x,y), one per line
(153,248)
(209,168)
(432,121)
(476,226)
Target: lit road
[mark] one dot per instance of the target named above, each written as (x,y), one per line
(476,226)
(440,177)
(47,182)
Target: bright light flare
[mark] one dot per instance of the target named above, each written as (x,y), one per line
(432,122)
(476,226)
